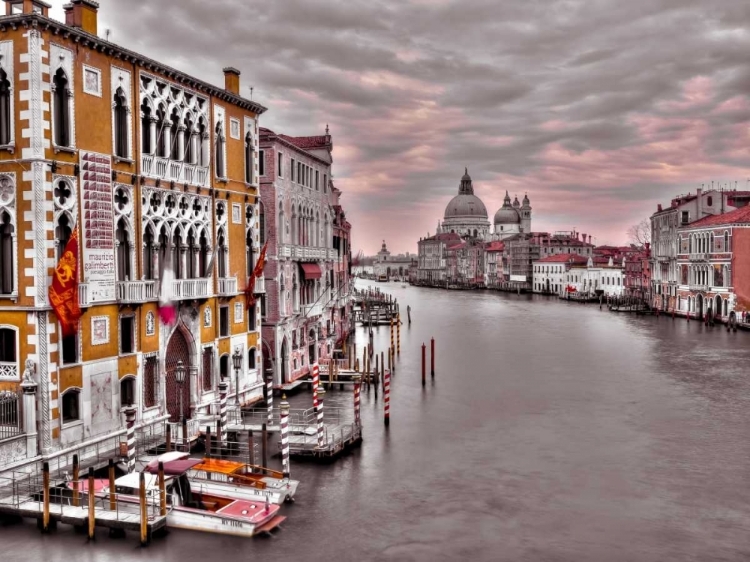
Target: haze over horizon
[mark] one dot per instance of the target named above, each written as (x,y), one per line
(598,111)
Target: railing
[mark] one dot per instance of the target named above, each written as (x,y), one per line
(131,291)
(192,426)
(228,286)
(150,290)
(83,294)
(190,288)
(10,414)
(156,166)
(698,257)
(311,310)
(260,286)
(9,371)
(202,177)
(147,164)
(695,288)
(160,167)
(175,170)
(285,251)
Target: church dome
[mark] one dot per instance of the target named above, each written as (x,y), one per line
(507,214)
(466,204)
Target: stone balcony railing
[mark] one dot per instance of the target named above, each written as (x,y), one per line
(698,288)
(698,257)
(171,170)
(260,286)
(8,371)
(306,252)
(311,310)
(227,287)
(191,288)
(83,294)
(131,291)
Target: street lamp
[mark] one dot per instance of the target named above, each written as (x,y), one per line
(179,373)
(237,360)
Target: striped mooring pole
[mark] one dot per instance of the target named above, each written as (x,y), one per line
(357,389)
(392,334)
(398,334)
(269,398)
(319,414)
(284,416)
(130,424)
(387,398)
(223,389)
(315,384)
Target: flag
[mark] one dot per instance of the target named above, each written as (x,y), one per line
(63,293)
(257,272)
(167,309)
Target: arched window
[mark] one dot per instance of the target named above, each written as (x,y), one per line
(249,152)
(177,265)
(710,201)
(174,129)
(121,124)
(311,346)
(63,232)
(7,260)
(223,254)
(224,366)
(251,353)
(5,115)
(162,147)
(127,391)
(123,252)
(203,255)
(220,166)
(192,256)
(249,254)
(262,222)
(61,113)
(189,141)
(203,140)
(148,254)
(146,141)
(71,410)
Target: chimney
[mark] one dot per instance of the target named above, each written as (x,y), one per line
(232,80)
(699,193)
(82,14)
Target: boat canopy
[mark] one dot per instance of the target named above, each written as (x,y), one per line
(132,480)
(219,466)
(173,468)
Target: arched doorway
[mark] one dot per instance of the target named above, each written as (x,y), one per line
(699,306)
(284,362)
(717,306)
(178,349)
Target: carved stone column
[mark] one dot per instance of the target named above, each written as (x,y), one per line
(29,417)
(152,135)
(181,143)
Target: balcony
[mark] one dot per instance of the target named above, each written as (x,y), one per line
(227,286)
(284,251)
(8,371)
(83,294)
(311,310)
(131,291)
(698,257)
(181,172)
(260,286)
(698,288)
(191,288)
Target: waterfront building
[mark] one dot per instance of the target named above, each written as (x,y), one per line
(714,265)
(493,264)
(598,277)
(549,273)
(154,169)
(465,264)
(306,275)
(563,242)
(387,266)
(637,273)
(431,255)
(665,223)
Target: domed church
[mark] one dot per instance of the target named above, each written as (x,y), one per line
(466,215)
(512,219)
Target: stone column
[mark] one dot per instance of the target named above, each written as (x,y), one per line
(29,417)
(153,134)
(181,143)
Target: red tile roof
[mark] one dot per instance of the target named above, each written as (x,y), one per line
(738,216)
(495,246)
(564,258)
(308,143)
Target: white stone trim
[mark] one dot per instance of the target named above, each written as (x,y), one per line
(61,57)
(6,63)
(121,78)
(8,204)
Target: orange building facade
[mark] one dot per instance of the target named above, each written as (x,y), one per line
(158,171)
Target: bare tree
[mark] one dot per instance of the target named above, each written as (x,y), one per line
(640,234)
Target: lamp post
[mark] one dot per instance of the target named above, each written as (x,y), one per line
(237,361)
(179,373)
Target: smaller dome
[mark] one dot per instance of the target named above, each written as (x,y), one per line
(507,215)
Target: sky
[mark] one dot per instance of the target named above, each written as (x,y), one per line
(597,109)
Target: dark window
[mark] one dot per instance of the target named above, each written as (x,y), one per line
(325,183)
(710,201)
(70,405)
(317,180)
(251,358)
(121,124)
(263,306)
(223,321)
(220,167)
(70,349)
(146,129)
(127,392)
(174,146)
(208,363)
(5,115)
(262,222)
(161,138)
(148,254)
(293,169)
(280,165)
(685,217)
(127,335)
(62,233)
(123,252)
(249,257)
(149,382)
(7,262)
(252,322)
(224,366)
(189,148)
(223,254)
(7,345)
(61,109)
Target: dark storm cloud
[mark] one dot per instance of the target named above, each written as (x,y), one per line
(598,109)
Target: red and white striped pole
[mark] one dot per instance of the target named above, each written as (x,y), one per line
(357,388)
(319,413)
(130,424)
(223,390)
(315,384)
(284,415)
(387,397)
(269,398)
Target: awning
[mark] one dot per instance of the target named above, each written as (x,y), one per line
(311,271)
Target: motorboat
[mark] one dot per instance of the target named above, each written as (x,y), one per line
(242,481)
(195,509)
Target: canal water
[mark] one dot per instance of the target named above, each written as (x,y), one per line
(552,431)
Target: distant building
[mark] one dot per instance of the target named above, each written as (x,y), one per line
(549,273)
(431,254)
(389,267)
(599,277)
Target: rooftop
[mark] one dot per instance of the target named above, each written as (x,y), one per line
(738,216)
(564,258)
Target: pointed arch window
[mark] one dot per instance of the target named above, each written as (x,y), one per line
(203,140)
(220,140)
(192,256)
(7,261)
(249,152)
(63,231)
(162,147)
(223,254)
(5,113)
(61,112)
(146,140)
(149,252)
(189,150)
(174,129)
(121,124)
(249,253)
(203,254)
(124,272)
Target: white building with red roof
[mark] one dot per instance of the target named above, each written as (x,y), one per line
(549,273)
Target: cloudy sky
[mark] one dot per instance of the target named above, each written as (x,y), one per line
(597,109)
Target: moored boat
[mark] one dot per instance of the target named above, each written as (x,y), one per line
(242,481)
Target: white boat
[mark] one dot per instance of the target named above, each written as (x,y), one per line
(242,481)
(196,510)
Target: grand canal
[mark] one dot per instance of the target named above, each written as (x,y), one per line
(553,431)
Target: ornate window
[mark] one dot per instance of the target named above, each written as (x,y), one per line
(61,108)
(222,253)
(121,124)
(221,171)
(149,381)
(5,109)
(249,152)
(147,142)
(124,249)
(7,235)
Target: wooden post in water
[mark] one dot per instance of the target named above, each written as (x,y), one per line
(92,505)
(408,313)
(424,360)
(168,442)
(250,448)
(387,398)
(208,441)
(357,381)
(76,476)
(398,334)
(45,497)
(143,508)
(432,358)
(264,441)
(382,368)
(162,492)
(112,494)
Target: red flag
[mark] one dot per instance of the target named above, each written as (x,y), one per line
(257,272)
(63,293)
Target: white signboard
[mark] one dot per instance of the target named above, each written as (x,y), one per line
(518,278)
(97,226)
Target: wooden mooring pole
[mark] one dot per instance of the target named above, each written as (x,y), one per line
(112,494)
(432,358)
(264,440)
(76,476)
(168,439)
(424,361)
(92,505)
(162,492)
(250,448)
(143,508)
(208,441)
(45,498)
